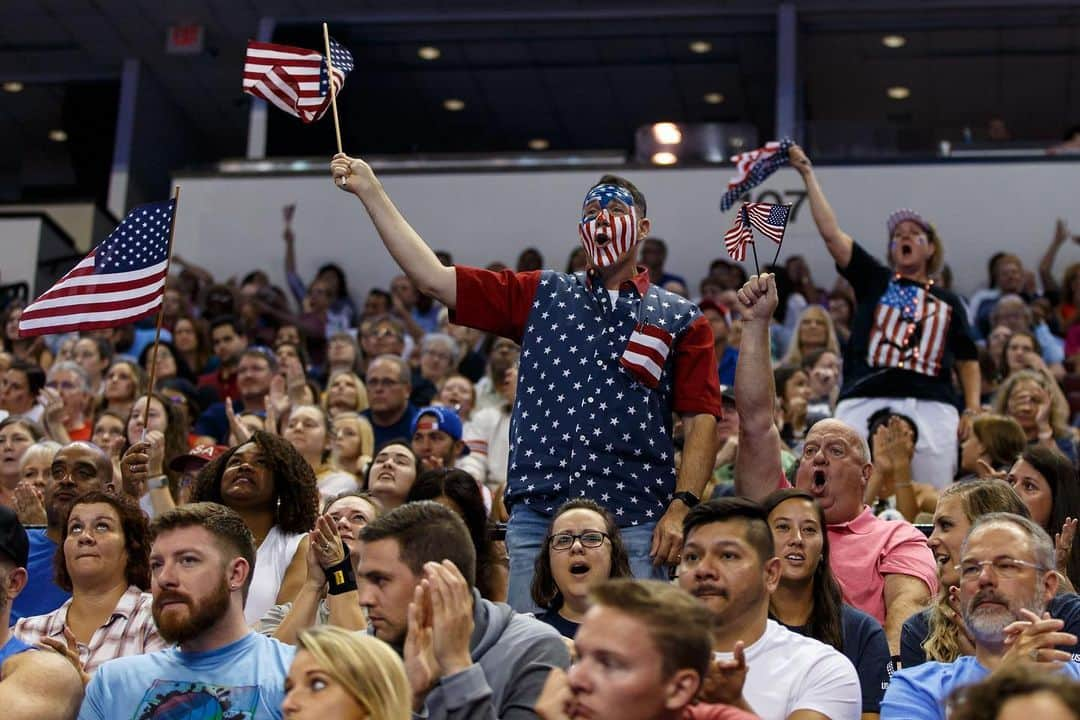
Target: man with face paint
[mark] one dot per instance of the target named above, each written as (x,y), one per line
(606,359)
(907,335)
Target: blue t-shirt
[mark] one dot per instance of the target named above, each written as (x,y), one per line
(13,646)
(243,680)
(727,363)
(867,648)
(919,693)
(41,595)
(397,431)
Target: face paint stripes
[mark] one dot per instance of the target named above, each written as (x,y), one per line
(620,231)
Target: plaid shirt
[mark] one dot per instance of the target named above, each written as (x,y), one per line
(130,630)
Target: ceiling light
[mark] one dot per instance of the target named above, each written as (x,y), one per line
(664,158)
(453,104)
(894,41)
(700,47)
(58,136)
(13,86)
(714,98)
(539,144)
(667,133)
(898,92)
(429,53)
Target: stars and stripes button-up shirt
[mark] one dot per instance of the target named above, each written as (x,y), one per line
(597,385)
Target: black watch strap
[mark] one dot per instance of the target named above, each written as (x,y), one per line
(689,499)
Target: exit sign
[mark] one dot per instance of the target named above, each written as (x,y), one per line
(185,39)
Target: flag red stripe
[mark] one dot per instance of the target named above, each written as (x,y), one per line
(103,287)
(649,352)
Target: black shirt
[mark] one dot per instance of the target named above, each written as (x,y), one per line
(905,339)
(566,628)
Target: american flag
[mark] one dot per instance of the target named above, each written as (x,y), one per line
(294,79)
(910,330)
(768,219)
(646,353)
(121,280)
(738,236)
(753,168)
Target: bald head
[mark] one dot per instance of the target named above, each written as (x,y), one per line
(855,440)
(77,468)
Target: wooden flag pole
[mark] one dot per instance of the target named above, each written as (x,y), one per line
(161,310)
(333,93)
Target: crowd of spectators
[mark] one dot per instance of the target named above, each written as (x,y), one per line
(326,504)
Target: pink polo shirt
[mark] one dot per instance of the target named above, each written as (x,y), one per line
(867,549)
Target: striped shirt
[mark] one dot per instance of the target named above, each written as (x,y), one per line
(130,630)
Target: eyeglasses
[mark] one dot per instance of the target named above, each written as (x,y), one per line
(1005,568)
(589,539)
(382,382)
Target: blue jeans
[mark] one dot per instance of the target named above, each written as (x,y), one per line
(525,536)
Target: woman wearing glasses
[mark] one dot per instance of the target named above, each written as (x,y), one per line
(582,549)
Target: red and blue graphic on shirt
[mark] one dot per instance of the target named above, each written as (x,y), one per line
(910,331)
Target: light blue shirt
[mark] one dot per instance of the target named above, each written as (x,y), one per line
(245,679)
(920,692)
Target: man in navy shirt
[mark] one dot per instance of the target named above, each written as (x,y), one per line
(77,468)
(389,383)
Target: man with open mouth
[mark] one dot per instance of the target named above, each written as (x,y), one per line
(607,358)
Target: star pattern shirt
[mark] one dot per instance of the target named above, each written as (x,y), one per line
(583,425)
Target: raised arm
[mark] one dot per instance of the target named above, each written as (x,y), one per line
(1046,265)
(408,249)
(757,463)
(837,241)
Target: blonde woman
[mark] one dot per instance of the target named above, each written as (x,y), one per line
(815,331)
(345,393)
(347,676)
(353,443)
(1034,400)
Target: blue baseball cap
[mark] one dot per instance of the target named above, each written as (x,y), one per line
(445,419)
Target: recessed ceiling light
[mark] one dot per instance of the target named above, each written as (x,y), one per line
(667,133)
(714,98)
(58,136)
(13,86)
(429,53)
(664,158)
(898,92)
(453,104)
(894,41)
(700,47)
(539,144)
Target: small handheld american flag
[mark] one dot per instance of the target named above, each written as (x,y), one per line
(754,167)
(768,219)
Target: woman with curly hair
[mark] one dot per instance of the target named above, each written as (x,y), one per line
(273,489)
(808,598)
(583,548)
(103,561)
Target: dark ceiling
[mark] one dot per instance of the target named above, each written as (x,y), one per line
(582,74)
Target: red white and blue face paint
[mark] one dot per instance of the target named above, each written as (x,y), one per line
(609,224)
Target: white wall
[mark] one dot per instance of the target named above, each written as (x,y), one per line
(232,225)
(19,240)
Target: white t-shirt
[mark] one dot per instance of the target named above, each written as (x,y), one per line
(788,672)
(272,559)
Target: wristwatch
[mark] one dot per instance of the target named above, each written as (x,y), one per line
(156,483)
(689,499)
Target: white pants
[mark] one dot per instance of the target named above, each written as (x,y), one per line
(935,452)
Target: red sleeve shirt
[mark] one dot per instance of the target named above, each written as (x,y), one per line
(696,381)
(495,302)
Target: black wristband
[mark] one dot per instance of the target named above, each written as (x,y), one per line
(341,577)
(896,663)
